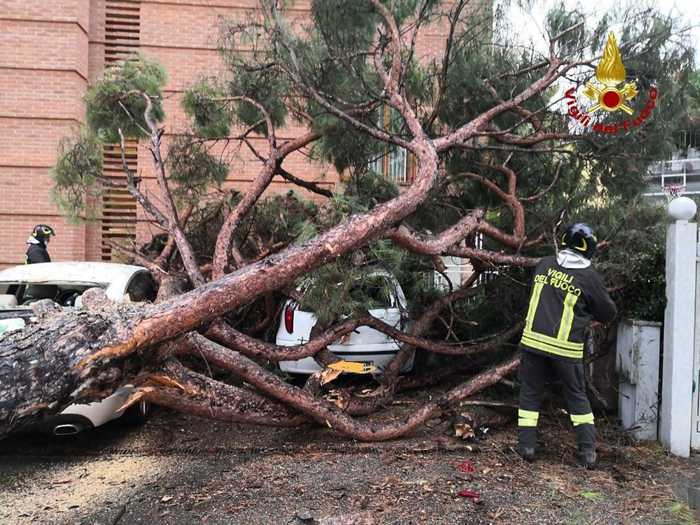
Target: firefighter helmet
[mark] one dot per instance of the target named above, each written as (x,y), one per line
(580,238)
(42,232)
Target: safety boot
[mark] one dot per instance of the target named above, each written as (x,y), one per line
(585,440)
(527,443)
(587,458)
(527,453)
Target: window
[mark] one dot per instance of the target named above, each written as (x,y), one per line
(393,163)
(457,270)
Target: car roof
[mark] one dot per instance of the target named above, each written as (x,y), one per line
(114,276)
(78,271)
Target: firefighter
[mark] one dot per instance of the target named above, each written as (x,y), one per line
(36,250)
(37,253)
(567,294)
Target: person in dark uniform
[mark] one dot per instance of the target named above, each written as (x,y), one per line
(38,253)
(37,242)
(567,294)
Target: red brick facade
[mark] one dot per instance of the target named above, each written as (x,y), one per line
(43,76)
(50,50)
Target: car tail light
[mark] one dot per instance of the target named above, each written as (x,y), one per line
(289,318)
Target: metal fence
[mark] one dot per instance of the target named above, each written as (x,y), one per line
(669,175)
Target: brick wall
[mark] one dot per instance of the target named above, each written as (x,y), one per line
(183,36)
(48,52)
(43,76)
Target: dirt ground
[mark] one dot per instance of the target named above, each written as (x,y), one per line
(183,470)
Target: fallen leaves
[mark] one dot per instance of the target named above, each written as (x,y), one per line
(591,495)
(470,494)
(466,467)
(338,398)
(464,431)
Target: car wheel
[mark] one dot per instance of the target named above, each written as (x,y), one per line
(138,413)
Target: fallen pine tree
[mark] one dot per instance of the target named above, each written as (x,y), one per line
(489,152)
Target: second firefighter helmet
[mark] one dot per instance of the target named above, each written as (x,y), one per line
(580,238)
(42,232)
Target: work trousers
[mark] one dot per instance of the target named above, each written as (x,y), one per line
(534,373)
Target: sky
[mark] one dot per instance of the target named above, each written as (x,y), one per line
(527,26)
(529,23)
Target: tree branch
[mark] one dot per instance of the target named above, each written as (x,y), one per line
(474,127)
(225,334)
(435,245)
(329,414)
(164,256)
(173,224)
(271,166)
(193,393)
(131,185)
(157,271)
(491,257)
(309,185)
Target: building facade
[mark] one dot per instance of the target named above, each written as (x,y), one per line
(49,53)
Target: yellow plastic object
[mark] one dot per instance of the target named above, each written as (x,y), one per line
(353,367)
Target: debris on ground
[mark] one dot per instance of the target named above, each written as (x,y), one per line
(178,471)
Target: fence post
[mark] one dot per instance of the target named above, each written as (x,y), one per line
(695,419)
(679,328)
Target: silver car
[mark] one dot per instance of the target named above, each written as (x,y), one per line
(64,283)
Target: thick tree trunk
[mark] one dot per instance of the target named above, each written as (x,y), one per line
(42,373)
(39,369)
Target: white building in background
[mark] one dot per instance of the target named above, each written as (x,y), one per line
(681,173)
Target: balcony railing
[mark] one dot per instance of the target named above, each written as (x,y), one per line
(684,173)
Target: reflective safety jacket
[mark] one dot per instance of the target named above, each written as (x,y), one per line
(563,301)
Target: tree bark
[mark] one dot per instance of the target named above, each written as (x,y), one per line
(331,415)
(39,369)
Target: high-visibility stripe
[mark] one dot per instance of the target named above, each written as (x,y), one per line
(522,422)
(581,419)
(527,418)
(528,414)
(546,347)
(559,345)
(567,345)
(534,303)
(567,318)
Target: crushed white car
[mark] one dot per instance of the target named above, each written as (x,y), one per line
(365,344)
(64,283)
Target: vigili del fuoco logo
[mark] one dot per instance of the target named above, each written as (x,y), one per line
(609,95)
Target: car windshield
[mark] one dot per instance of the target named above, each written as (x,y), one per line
(375,290)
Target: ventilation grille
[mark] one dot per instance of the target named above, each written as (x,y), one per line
(122,35)
(122,30)
(118,205)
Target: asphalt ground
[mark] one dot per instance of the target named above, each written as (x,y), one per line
(182,470)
